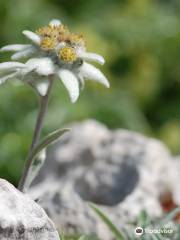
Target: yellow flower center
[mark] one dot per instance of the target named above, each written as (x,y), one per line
(48,43)
(55,31)
(77,39)
(67,54)
(52,35)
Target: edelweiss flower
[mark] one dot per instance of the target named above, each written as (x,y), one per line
(54,52)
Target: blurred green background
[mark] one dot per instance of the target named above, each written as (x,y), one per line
(140,40)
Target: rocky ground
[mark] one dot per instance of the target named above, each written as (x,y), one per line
(121,171)
(21,218)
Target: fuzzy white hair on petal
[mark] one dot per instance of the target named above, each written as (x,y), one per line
(7,77)
(70,82)
(24,53)
(90,72)
(43,66)
(42,88)
(55,22)
(14,47)
(91,57)
(32,36)
(8,66)
(60,45)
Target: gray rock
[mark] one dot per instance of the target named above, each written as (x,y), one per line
(21,218)
(121,171)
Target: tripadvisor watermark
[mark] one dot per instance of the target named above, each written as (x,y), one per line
(139,231)
(165,231)
(161,230)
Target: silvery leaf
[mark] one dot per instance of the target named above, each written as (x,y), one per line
(49,139)
(39,155)
(35,168)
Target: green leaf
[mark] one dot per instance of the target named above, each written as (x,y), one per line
(49,139)
(35,168)
(154,237)
(129,234)
(83,238)
(159,236)
(108,222)
(169,217)
(39,155)
(88,237)
(143,219)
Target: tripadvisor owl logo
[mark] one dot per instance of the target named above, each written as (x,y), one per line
(139,231)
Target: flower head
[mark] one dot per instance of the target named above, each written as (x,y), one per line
(55,52)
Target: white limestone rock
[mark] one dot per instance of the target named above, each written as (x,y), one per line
(123,172)
(21,218)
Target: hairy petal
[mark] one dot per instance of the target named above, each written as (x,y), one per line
(91,57)
(24,53)
(71,83)
(42,66)
(90,72)
(32,36)
(55,22)
(10,66)
(14,47)
(42,87)
(60,45)
(7,77)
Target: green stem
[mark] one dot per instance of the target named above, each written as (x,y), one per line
(37,133)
